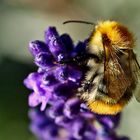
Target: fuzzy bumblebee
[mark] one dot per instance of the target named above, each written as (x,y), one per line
(113,69)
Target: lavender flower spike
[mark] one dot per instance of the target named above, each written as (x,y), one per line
(57,113)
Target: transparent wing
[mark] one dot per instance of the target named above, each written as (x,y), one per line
(115,76)
(135,67)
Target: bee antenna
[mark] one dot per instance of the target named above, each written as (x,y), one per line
(78,21)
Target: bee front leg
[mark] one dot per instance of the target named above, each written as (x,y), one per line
(88,85)
(85,86)
(78,59)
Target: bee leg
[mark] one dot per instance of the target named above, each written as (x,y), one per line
(105,98)
(77,59)
(88,85)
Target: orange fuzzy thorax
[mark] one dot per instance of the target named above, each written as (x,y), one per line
(116,33)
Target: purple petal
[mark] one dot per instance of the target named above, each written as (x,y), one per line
(57,109)
(72,107)
(108,121)
(49,79)
(78,128)
(36,99)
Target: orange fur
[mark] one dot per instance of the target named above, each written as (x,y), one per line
(117,33)
(101,107)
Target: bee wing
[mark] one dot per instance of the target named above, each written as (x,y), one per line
(135,67)
(115,77)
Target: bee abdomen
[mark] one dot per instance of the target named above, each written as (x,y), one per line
(101,107)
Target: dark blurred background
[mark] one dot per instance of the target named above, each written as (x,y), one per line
(24,20)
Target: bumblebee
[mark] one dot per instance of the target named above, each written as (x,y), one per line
(114,71)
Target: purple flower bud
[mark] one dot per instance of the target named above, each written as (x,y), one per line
(55,44)
(61,73)
(44,60)
(37,47)
(67,41)
(80,47)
